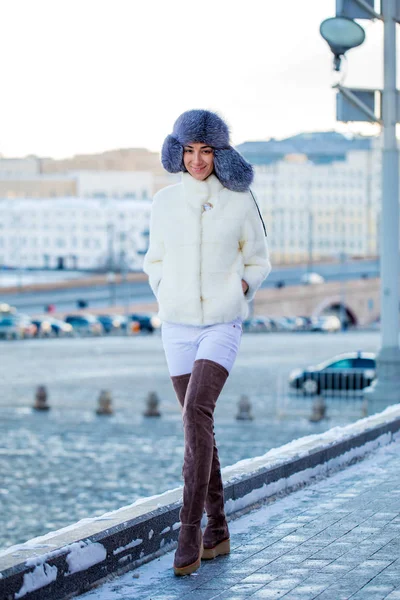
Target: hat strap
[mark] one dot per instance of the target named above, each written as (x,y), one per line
(259,212)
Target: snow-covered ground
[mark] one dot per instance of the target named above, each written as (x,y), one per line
(146,581)
(68,464)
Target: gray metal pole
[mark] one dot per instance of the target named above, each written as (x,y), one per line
(386,389)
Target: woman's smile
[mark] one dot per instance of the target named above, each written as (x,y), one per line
(198,160)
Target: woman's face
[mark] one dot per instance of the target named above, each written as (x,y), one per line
(198,160)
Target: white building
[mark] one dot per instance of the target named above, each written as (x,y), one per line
(137,185)
(315,211)
(15,167)
(73,233)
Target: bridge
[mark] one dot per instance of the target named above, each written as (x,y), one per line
(359,300)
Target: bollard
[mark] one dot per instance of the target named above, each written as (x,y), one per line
(41,398)
(105,403)
(318,410)
(152,404)
(364,408)
(244,407)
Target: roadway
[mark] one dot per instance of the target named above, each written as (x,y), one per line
(131,293)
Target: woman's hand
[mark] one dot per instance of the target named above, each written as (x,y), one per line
(245,286)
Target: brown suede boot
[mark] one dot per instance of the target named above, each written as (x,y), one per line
(205,384)
(216,534)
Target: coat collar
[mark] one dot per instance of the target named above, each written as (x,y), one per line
(197,192)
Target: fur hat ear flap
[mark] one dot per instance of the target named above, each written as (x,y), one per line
(172,155)
(233,171)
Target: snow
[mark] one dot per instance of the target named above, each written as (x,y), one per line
(40,576)
(306,475)
(302,446)
(154,573)
(274,457)
(80,556)
(128,546)
(165,530)
(83,555)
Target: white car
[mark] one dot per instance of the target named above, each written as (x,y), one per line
(311,278)
(326,323)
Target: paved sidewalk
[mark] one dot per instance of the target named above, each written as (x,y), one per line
(336,539)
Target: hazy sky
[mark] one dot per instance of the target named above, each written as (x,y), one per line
(90,75)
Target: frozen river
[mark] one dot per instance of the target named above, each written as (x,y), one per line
(67,464)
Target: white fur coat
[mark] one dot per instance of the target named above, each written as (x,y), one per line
(197,258)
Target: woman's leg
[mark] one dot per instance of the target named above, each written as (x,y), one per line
(222,344)
(205,384)
(198,392)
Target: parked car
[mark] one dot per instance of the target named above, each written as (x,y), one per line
(51,327)
(16,326)
(326,324)
(350,371)
(284,324)
(10,328)
(85,324)
(113,323)
(257,324)
(311,278)
(304,323)
(147,322)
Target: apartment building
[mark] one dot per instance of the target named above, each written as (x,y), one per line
(319,195)
(74,233)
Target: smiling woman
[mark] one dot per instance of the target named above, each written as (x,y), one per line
(198,160)
(207,258)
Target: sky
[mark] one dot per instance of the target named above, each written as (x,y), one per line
(85,76)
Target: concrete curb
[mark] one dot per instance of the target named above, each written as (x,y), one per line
(67,562)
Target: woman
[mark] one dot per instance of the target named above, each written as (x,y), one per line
(207,257)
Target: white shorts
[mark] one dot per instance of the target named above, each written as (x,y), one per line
(183,344)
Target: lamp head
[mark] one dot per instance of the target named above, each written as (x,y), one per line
(342,34)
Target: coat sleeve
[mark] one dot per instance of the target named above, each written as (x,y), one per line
(153,260)
(255,251)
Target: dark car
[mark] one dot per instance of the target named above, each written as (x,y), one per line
(257,325)
(85,324)
(51,327)
(146,322)
(352,371)
(16,326)
(113,323)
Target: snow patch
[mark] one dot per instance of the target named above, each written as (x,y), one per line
(306,475)
(128,546)
(151,533)
(83,555)
(176,526)
(41,576)
(165,530)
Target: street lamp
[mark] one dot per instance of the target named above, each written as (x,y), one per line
(342,34)
(359,105)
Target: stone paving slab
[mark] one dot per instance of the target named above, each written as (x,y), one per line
(337,539)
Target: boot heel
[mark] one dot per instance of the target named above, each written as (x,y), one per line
(182,571)
(218,550)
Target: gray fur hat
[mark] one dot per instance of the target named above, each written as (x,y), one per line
(233,171)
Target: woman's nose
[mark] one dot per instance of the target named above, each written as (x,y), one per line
(197,158)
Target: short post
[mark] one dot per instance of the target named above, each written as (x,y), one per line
(318,410)
(41,399)
(105,403)
(244,409)
(152,404)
